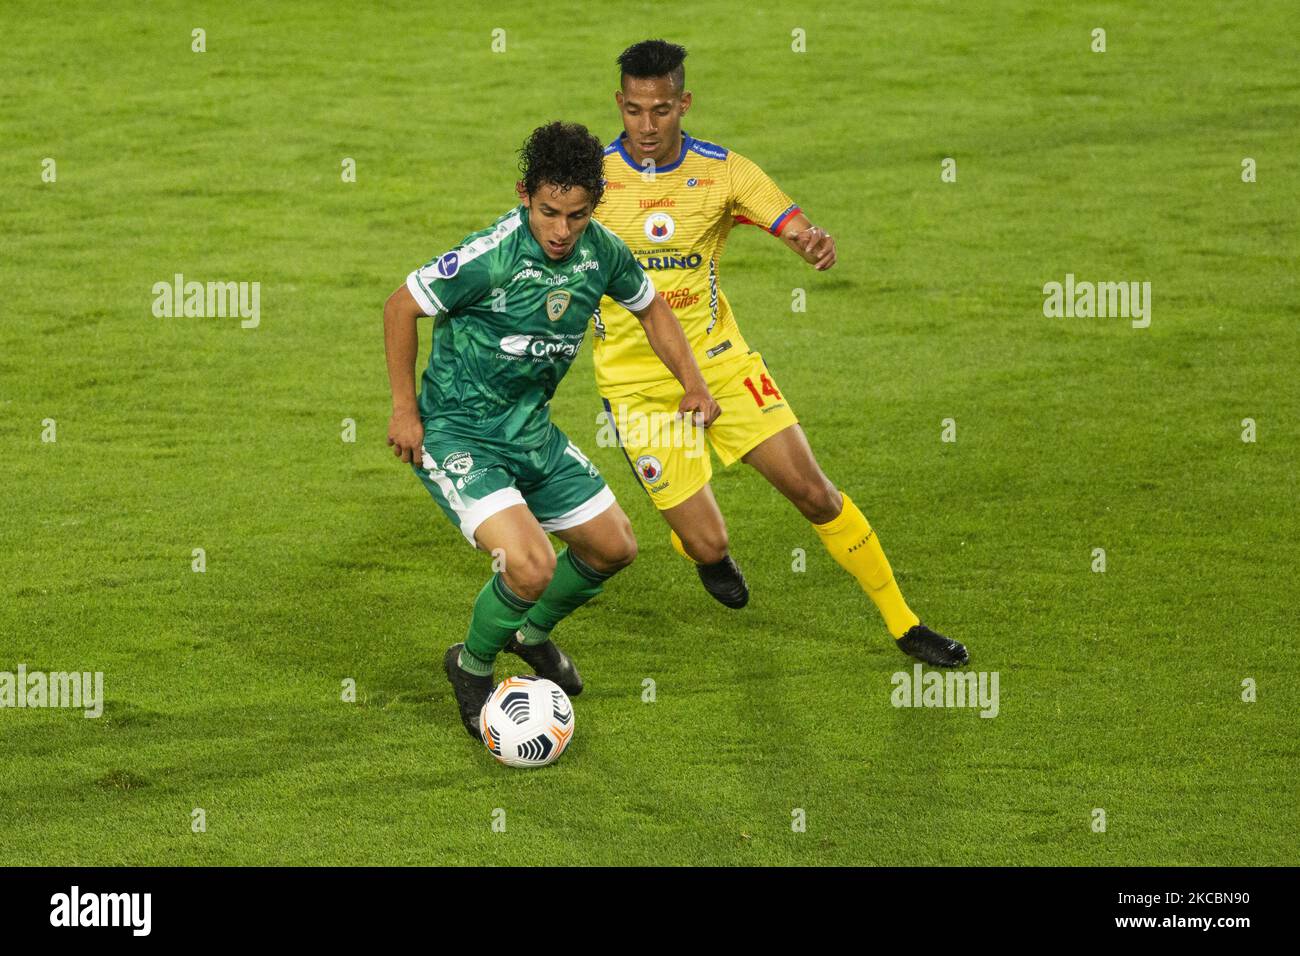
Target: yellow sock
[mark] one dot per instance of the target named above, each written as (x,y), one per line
(680,548)
(856,547)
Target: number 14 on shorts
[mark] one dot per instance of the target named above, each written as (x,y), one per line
(768,388)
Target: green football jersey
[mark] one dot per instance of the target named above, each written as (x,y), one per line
(510,322)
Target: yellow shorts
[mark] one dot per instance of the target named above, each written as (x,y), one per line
(670,458)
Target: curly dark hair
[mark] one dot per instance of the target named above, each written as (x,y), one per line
(563,155)
(651,59)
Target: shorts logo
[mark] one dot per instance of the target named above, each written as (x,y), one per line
(659,227)
(557,303)
(449,265)
(458,463)
(649,468)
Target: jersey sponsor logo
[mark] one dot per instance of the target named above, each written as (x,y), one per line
(557,303)
(718,349)
(542,347)
(659,227)
(649,468)
(692,261)
(681,298)
(586,266)
(448,265)
(516,344)
(458,463)
(696,181)
(657,203)
(529,273)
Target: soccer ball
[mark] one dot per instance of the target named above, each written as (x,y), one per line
(527,722)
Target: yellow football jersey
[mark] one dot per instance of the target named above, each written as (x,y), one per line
(676,223)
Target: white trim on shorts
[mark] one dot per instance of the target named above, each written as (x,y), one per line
(597,504)
(485,508)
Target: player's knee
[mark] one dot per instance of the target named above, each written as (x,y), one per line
(708,545)
(530,572)
(615,552)
(818,500)
(627,551)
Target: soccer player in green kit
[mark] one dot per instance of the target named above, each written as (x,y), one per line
(512,304)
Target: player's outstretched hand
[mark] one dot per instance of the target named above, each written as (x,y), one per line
(699,404)
(817,246)
(406,435)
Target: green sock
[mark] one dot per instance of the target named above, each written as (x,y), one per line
(575,583)
(498,613)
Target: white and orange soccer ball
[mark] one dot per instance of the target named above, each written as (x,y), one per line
(527,722)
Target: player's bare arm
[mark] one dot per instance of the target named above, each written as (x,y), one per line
(401,346)
(668,340)
(811,243)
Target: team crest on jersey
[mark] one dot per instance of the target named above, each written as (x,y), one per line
(659,227)
(448,265)
(458,463)
(557,303)
(649,468)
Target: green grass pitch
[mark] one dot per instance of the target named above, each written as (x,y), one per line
(327,561)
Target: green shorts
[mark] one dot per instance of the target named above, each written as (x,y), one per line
(471,480)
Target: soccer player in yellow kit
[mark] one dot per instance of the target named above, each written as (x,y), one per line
(674,199)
